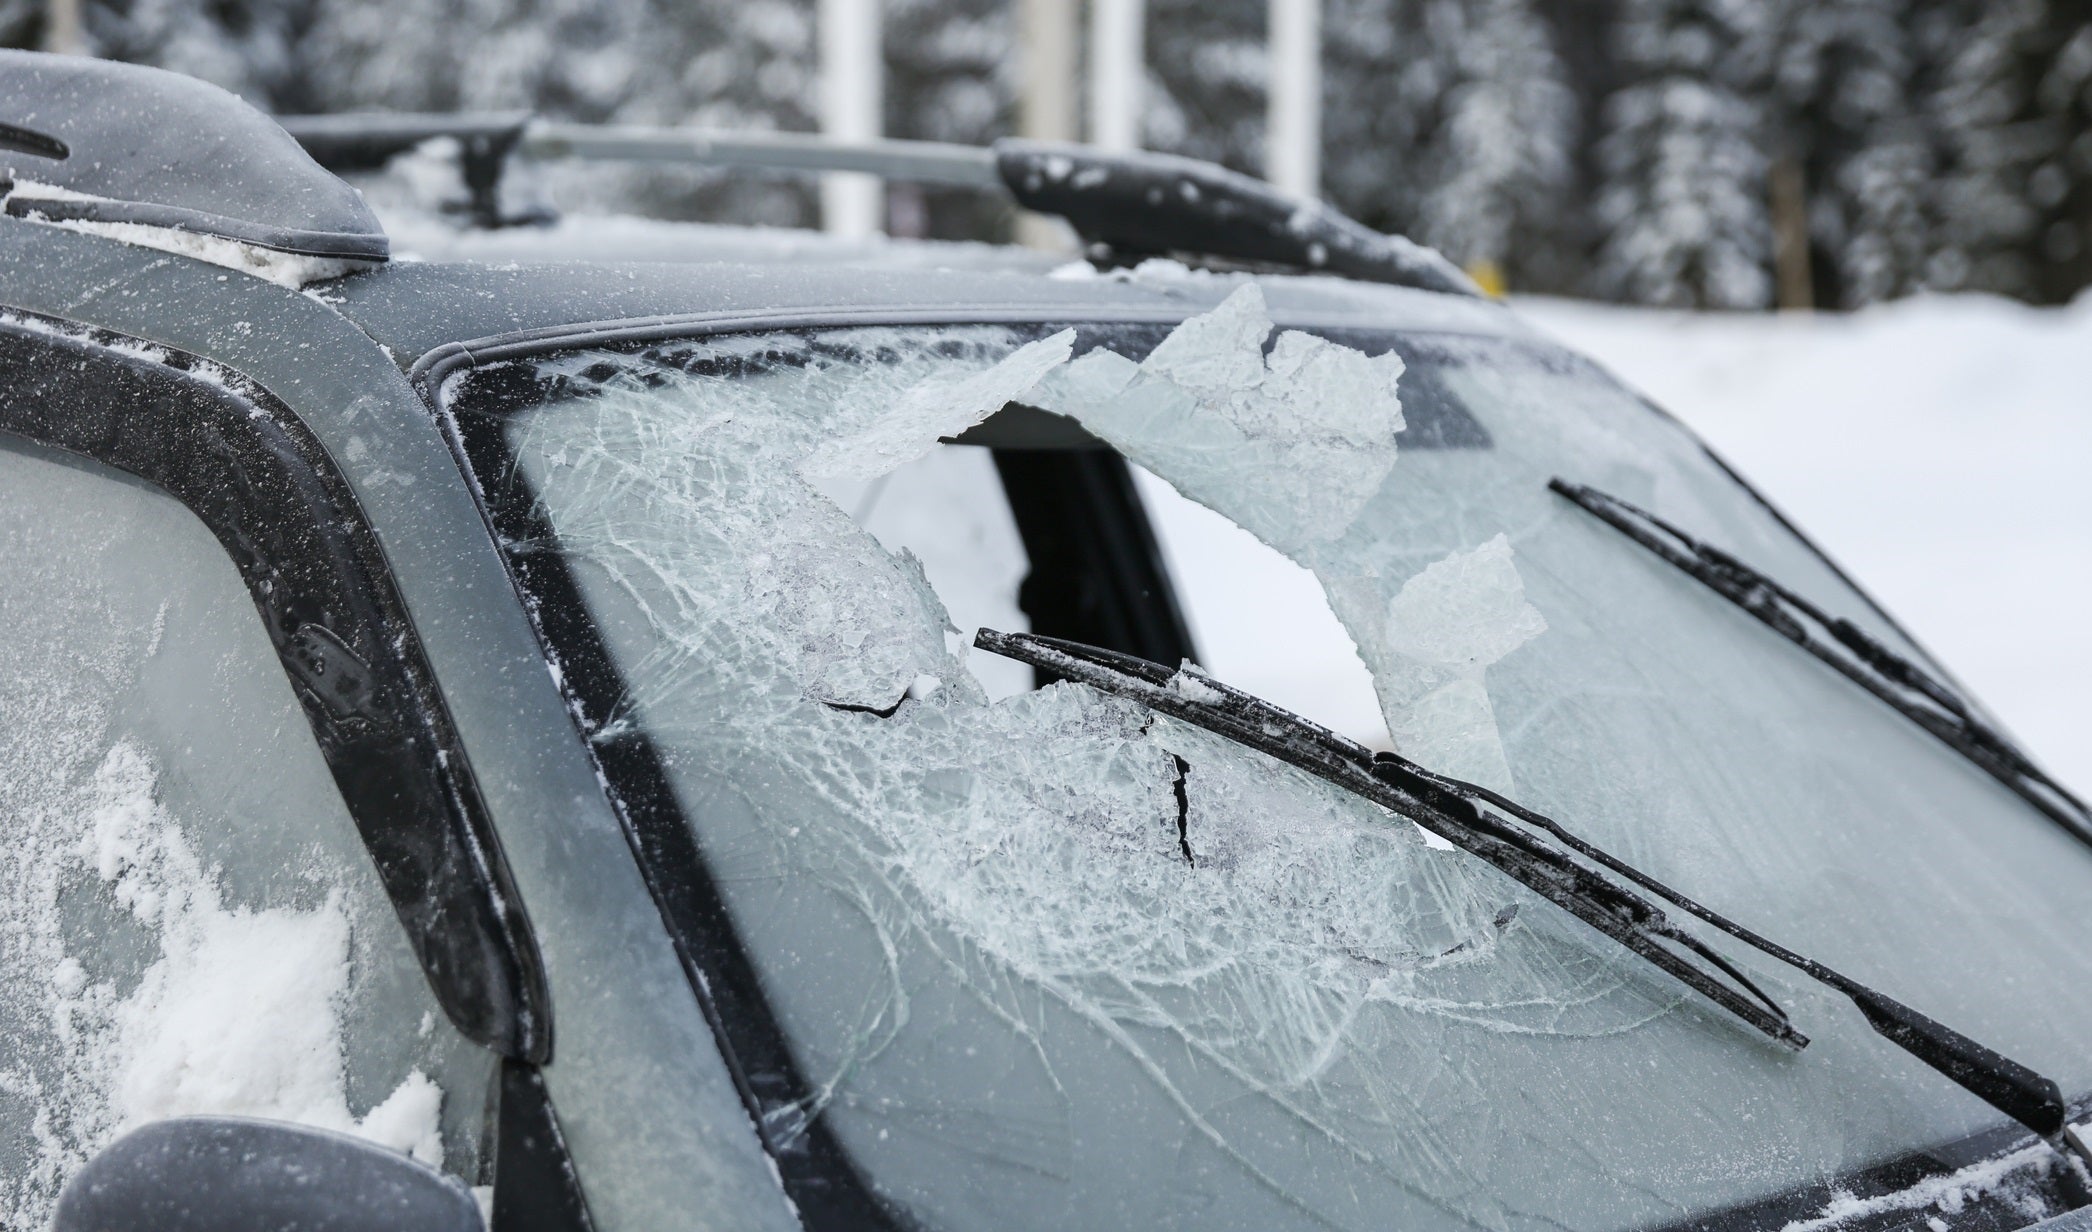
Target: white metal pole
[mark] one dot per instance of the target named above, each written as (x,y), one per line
(62,32)
(1046,104)
(1118,70)
(1049,32)
(1293,115)
(852,89)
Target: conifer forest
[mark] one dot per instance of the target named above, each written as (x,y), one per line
(1694,153)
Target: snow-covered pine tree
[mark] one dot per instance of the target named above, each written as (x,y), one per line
(1499,158)
(1207,84)
(732,64)
(715,63)
(2064,194)
(1683,201)
(1984,99)
(949,77)
(1379,78)
(2015,112)
(21,23)
(1450,121)
(1847,104)
(248,46)
(727,63)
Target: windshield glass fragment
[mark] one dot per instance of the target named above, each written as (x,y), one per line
(1055,960)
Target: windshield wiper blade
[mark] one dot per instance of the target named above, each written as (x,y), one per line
(1514,839)
(1902,684)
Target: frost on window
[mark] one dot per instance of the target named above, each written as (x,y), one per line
(188,921)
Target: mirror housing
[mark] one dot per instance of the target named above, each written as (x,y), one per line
(236,1174)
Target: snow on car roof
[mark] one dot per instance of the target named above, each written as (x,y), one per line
(554,279)
(418,235)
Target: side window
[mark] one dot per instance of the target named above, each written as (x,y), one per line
(189,919)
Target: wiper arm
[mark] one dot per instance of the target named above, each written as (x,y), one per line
(1515,839)
(1920,696)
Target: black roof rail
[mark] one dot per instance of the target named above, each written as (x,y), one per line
(1144,204)
(96,141)
(1125,206)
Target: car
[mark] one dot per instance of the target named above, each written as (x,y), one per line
(1235,731)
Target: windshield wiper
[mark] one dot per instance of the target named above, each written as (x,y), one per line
(1920,696)
(1540,854)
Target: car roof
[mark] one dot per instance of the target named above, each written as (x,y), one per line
(230,183)
(520,284)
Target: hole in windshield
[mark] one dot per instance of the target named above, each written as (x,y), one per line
(1253,617)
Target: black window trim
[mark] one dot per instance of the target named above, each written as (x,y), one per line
(816,1170)
(244,463)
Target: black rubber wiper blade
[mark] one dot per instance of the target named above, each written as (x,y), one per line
(1514,839)
(1891,677)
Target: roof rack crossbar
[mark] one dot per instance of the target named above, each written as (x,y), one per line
(1125,206)
(933,162)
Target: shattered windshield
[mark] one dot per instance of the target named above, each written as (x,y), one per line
(1053,960)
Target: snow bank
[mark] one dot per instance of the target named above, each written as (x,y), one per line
(1936,447)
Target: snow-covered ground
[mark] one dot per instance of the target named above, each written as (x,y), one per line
(1938,448)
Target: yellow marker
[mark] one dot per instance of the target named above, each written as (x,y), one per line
(1489,276)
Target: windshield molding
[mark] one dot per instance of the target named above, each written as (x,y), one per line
(438,365)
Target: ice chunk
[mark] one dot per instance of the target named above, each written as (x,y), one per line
(943,404)
(1465,611)
(1430,646)
(1235,429)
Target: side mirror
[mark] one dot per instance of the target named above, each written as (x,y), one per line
(232,1174)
